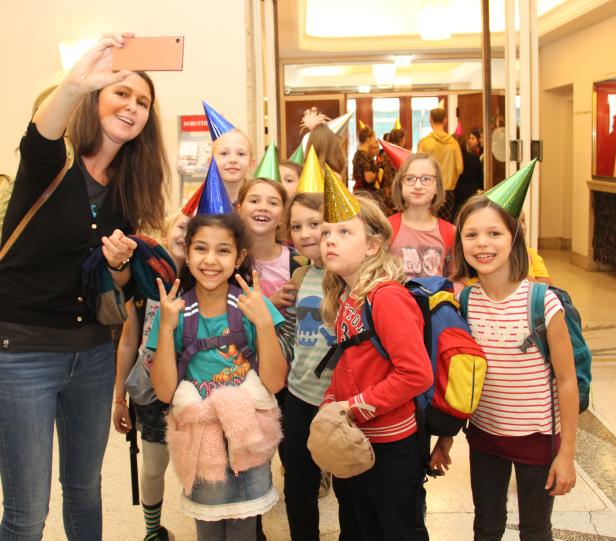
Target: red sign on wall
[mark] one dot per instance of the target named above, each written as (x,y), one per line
(194,123)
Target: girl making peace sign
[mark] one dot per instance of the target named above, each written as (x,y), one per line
(225,507)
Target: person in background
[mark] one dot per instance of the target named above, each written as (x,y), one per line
(395,137)
(328,147)
(446,151)
(234,159)
(365,168)
(470,180)
(289,174)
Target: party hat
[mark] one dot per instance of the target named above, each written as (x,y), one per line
(215,199)
(191,206)
(268,166)
(218,124)
(397,155)
(511,192)
(340,204)
(339,124)
(361,125)
(298,155)
(336,125)
(397,125)
(311,180)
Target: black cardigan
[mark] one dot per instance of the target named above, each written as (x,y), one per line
(40,277)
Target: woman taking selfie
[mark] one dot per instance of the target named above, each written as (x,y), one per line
(56,360)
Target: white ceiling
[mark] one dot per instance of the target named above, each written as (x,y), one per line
(334,44)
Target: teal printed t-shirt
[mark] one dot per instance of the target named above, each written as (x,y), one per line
(210,369)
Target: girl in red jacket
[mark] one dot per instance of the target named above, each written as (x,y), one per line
(378,393)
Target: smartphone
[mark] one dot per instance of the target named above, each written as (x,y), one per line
(161,53)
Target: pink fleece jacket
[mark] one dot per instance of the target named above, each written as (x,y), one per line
(196,436)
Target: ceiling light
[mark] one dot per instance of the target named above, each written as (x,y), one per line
(384,74)
(364,89)
(403,61)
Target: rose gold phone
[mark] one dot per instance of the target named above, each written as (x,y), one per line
(162,53)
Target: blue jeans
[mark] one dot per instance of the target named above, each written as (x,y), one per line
(75,390)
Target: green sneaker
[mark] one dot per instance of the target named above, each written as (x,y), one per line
(162,534)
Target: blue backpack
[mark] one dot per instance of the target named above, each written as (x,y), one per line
(536,322)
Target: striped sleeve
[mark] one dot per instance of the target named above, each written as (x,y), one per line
(551,306)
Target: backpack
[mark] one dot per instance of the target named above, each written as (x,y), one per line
(458,362)
(445,228)
(536,322)
(191,345)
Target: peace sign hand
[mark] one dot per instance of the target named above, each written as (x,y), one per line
(170,305)
(251,303)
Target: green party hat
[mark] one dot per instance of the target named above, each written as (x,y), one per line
(311,180)
(268,166)
(340,205)
(511,192)
(298,155)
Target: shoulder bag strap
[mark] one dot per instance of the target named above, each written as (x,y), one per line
(40,201)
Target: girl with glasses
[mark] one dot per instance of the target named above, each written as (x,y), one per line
(423,241)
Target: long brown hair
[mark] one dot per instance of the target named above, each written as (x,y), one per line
(139,173)
(328,147)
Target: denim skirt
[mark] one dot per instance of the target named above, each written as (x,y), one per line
(242,495)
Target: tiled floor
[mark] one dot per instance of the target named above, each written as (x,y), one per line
(588,513)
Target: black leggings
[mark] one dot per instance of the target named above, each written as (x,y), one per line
(490,476)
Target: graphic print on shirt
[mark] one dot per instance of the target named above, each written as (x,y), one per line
(310,323)
(233,373)
(422,261)
(351,322)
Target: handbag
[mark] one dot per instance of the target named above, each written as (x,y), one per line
(70,156)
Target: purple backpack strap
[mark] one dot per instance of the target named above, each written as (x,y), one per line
(237,334)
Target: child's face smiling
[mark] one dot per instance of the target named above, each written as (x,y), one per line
(418,195)
(305,231)
(344,247)
(486,242)
(262,209)
(233,156)
(213,257)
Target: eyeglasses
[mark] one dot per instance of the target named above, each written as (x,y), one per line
(411,180)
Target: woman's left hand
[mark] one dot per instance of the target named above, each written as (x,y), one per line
(561,478)
(118,248)
(251,303)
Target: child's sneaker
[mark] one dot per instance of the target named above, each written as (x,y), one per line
(326,484)
(162,534)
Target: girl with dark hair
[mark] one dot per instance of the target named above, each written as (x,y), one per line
(223,426)
(56,360)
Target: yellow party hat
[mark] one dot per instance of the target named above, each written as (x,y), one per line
(312,180)
(397,125)
(361,125)
(340,204)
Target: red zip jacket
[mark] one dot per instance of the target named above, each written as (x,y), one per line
(363,376)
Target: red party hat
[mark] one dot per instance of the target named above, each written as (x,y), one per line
(191,206)
(397,155)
